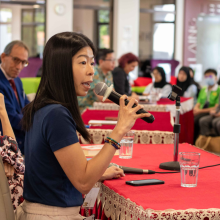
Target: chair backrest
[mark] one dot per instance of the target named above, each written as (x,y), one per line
(6,208)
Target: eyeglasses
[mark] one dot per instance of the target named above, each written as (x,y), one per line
(18,61)
(111,60)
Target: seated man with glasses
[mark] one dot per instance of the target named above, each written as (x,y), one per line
(102,73)
(13,60)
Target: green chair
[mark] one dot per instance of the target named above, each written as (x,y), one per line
(30,85)
(138,89)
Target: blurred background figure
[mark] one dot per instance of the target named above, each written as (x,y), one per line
(191,72)
(126,64)
(14,59)
(185,82)
(207,101)
(159,85)
(210,124)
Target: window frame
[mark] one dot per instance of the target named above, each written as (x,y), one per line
(165,22)
(98,24)
(33,25)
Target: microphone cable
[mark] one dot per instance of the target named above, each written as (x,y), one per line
(179,171)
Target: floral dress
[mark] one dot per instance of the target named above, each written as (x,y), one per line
(11,154)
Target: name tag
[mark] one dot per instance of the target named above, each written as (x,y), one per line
(91,197)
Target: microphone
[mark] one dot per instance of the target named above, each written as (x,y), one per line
(132,170)
(108,93)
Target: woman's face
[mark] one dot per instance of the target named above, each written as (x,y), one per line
(191,73)
(157,76)
(83,70)
(130,66)
(182,76)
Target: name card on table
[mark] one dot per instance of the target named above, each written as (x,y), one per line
(101,122)
(91,197)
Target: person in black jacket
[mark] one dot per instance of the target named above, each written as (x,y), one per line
(127,63)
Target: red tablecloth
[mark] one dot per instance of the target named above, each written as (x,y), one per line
(162,120)
(170,195)
(169,201)
(166,101)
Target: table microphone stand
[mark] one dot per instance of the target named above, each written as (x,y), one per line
(174,165)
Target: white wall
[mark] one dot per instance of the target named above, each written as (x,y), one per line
(179,29)
(83,22)
(58,23)
(126,27)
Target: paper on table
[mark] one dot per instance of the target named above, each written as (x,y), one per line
(101,122)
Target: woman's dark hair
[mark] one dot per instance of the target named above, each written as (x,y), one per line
(127,58)
(163,81)
(184,85)
(195,83)
(57,82)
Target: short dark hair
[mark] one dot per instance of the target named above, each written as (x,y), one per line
(57,82)
(102,53)
(211,71)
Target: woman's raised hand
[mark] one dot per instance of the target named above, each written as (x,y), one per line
(2,104)
(127,115)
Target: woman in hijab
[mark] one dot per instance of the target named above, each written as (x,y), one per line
(185,82)
(191,71)
(159,85)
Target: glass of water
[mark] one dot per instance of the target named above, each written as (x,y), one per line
(127,145)
(189,168)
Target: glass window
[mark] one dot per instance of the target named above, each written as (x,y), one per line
(157,29)
(103,29)
(5,36)
(5,15)
(104,41)
(163,41)
(5,27)
(33,30)
(39,15)
(103,16)
(27,16)
(164,13)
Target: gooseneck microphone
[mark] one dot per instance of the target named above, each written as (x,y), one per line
(108,93)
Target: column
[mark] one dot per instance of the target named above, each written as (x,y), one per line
(126,27)
(59,17)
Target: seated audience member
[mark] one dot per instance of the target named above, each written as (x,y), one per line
(14,59)
(57,172)
(210,124)
(185,82)
(127,63)
(159,85)
(106,63)
(207,101)
(191,72)
(11,157)
(146,69)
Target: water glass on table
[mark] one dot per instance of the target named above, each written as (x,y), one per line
(189,168)
(127,141)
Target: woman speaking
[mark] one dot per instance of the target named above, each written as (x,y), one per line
(57,172)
